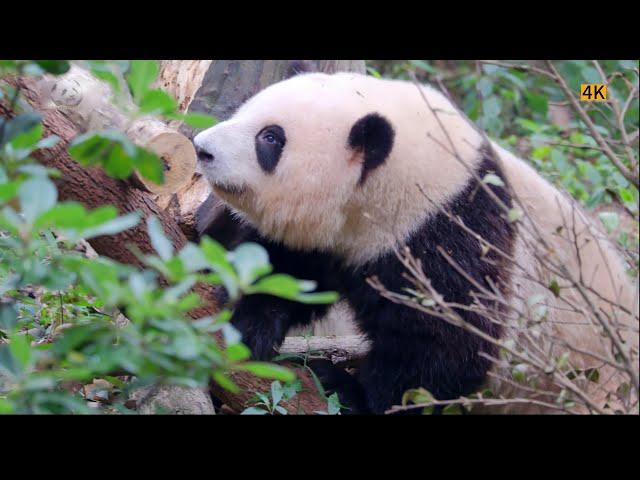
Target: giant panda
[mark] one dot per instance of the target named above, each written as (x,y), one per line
(334,173)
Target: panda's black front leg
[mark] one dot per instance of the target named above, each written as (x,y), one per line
(264,320)
(263,326)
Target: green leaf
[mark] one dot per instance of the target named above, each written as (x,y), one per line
(422,65)
(224,381)
(279,284)
(117,154)
(591,75)
(159,241)
(6,407)
(592,374)
(318,298)
(514,215)
(555,288)
(238,352)
(267,370)
(185,345)
(27,140)
(48,142)
(485,86)
(8,317)
(417,396)
(251,261)
(55,67)
(196,119)
(157,102)
(559,160)
(254,411)
(562,361)
(276,392)
(71,215)
(491,107)
(610,220)
(8,191)
(452,409)
(37,195)
(114,226)
(493,179)
(537,103)
(519,372)
(373,72)
(20,349)
(192,258)
(142,73)
(21,124)
(149,165)
(216,255)
(106,75)
(333,404)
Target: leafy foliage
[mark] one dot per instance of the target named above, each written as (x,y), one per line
(59,309)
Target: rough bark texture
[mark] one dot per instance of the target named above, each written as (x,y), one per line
(93,188)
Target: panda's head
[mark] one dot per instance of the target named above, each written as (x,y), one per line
(313,160)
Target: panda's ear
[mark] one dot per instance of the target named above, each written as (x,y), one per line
(297,67)
(373,136)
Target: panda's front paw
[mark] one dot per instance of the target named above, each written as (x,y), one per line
(262,347)
(336,380)
(260,341)
(261,333)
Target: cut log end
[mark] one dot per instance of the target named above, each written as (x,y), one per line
(177,153)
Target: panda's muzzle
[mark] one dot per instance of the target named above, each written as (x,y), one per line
(204,156)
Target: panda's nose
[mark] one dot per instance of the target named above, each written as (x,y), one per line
(203,155)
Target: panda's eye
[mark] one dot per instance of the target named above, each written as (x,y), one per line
(270,142)
(272,137)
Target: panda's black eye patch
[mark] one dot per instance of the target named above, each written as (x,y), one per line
(269,144)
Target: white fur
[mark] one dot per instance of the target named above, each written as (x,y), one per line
(311,199)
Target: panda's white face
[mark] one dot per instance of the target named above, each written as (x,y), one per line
(332,161)
(283,159)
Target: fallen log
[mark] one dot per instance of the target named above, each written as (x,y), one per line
(345,350)
(89,103)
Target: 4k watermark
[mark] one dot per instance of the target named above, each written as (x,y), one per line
(593,92)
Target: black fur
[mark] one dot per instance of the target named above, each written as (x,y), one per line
(268,152)
(373,135)
(410,349)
